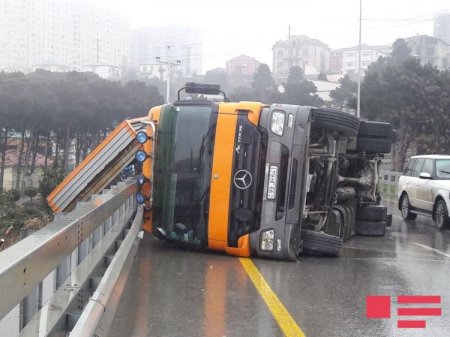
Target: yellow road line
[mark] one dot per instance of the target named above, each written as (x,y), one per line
(279,312)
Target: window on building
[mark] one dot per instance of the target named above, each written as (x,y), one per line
(280,53)
(350,64)
(367,53)
(280,66)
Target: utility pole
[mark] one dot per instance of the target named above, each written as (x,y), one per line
(188,66)
(98,50)
(169,65)
(289,49)
(358,106)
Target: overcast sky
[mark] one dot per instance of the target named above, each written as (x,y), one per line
(234,27)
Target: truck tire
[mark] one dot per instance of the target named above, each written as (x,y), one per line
(370,228)
(371,212)
(336,120)
(375,129)
(373,144)
(317,243)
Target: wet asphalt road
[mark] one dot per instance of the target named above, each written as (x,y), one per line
(173,292)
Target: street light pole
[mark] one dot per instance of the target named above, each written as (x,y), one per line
(169,65)
(358,106)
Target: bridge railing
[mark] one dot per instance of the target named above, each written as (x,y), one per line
(71,266)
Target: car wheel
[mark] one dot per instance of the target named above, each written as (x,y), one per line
(405,208)
(336,120)
(441,215)
(370,228)
(317,243)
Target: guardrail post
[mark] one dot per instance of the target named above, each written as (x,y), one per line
(33,302)
(62,272)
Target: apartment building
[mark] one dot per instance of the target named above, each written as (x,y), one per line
(369,54)
(310,54)
(240,69)
(430,50)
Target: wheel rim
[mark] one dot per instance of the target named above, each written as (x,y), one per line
(405,207)
(440,213)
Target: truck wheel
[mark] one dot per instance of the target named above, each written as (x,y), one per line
(373,144)
(336,120)
(441,215)
(372,212)
(405,208)
(317,243)
(370,228)
(375,129)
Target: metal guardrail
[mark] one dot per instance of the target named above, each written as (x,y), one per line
(86,250)
(389,182)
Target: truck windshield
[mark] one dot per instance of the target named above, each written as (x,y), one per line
(183,173)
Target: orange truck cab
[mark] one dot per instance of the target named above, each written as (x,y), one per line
(236,177)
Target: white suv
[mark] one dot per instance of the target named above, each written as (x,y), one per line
(424,188)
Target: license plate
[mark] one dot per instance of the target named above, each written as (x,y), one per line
(272,185)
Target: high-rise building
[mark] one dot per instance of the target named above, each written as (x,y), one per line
(62,35)
(170,43)
(441,27)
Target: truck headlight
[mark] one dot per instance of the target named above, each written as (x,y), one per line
(140,156)
(267,239)
(141,137)
(140,198)
(277,122)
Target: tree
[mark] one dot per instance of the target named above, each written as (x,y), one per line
(300,91)
(50,179)
(218,76)
(262,79)
(400,53)
(414,98)
(6,203)
(245,94)
(345,94)
(296,75)
(15,194)
(30,192)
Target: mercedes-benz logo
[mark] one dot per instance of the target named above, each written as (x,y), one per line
(242,179)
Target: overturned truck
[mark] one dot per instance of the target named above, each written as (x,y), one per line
(254,179)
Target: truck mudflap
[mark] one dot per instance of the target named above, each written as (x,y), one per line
(99,168)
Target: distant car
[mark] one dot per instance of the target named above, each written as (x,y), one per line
(424,188)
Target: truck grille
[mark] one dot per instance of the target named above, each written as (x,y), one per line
(248,180)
